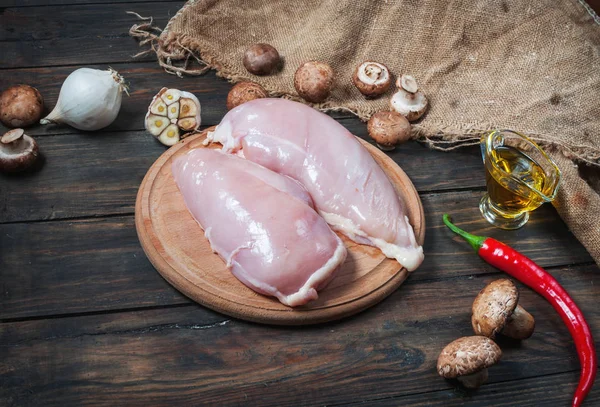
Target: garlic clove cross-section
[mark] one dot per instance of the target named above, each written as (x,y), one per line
(170,135)
(187,124)
(158,107)
(170,95)
(155,124)
(173,111)
(189,107)
(171,114)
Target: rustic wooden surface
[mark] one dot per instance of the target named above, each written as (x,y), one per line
(86,320)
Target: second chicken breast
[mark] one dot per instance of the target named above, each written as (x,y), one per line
(261,224)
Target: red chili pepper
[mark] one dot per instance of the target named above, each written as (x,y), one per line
(526,271)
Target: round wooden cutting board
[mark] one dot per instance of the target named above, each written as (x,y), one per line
(176,246)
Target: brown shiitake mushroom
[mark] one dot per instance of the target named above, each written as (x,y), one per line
(388,129)
(18,151)
(21,106)
(409,100)
(261,59)
(244,92)
(313,81)
(496,310)
(372,79)
(467,359)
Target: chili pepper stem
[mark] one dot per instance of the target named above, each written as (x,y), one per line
(475,241)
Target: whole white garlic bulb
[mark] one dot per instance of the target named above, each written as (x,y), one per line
(89,99)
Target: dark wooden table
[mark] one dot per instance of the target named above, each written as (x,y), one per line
(86,320)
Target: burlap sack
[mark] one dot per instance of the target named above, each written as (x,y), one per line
(531,66)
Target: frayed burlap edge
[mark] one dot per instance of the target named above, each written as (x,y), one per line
(177,52)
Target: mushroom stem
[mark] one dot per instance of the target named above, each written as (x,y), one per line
(520,325)
(474,380)
(18,151)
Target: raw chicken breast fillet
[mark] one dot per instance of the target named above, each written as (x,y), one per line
(348,188)
(261,224)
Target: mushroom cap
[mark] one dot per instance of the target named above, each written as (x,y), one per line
(408,83)
(372,78)
(493,306)
(411,105)
(388,128)
(520,325)
(18,151)
(261,59)
(21,106)
(313,81)
(467,355)
(243,92)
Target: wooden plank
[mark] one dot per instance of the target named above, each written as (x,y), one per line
(189,356)
(86,21)
(144,80)
(73,35)
(99,174)
(49,268)
(78,266)
(68,52)
(594,4)
(545,391)
(32,3)
(545,239)
(89,175)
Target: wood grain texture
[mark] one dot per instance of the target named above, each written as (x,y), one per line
(83,266)
(87,175)
(191,356)
(71,51)
(85,21)
(179,353)
(144,79)
(97,174)
(178,249)
(546,391)
(32,3)
(33,19)
(45,266)
(76,34)
(594,4)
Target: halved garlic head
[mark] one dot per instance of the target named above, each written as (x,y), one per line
(171,114)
